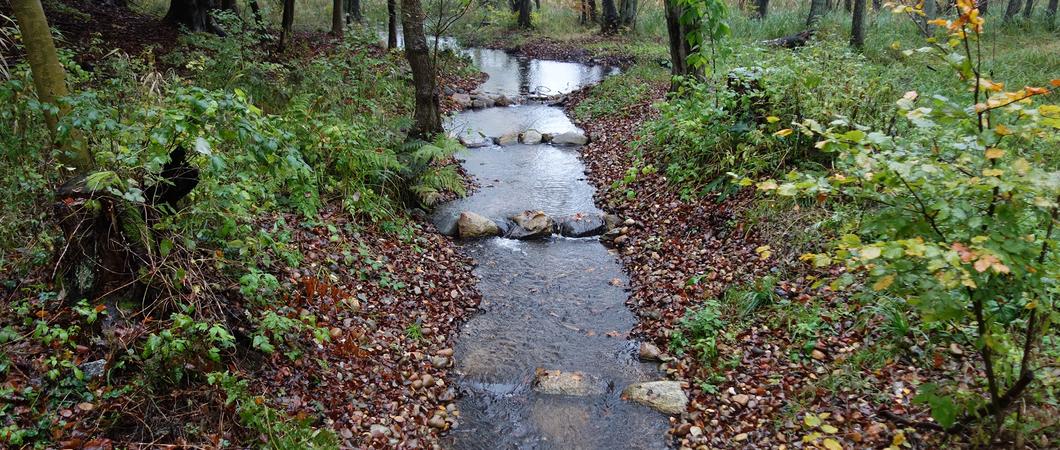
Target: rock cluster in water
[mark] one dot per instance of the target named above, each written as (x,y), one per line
(533,225)
(530,137)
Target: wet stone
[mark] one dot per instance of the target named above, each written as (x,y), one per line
(531,225)
(570,138)
(664,396)
(581,225)
(555,382)
(472,225)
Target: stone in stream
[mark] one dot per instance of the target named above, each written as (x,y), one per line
(462,99)
(508,139)
(472,225)
(531,137)
(612,221)
(474,141)
(503,100)
(664,396)
(581,225)
(556,382)
(530,225)
(481,101)
(570,138)
(649,352)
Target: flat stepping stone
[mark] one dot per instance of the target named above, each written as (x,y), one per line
(557,382)
(663,396)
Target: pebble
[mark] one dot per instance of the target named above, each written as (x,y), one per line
(741,398)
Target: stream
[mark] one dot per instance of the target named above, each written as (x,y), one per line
(552,304)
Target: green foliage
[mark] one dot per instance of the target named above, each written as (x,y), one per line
(277,429)
(964,204)
(706,131)
(616,94)
(699,332)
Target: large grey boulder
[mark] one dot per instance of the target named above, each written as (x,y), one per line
(471,225)
(531,225)
(664,396)
(556,382)
(531,137)
(570,138)
(462,99)
(474,140)
(582,225)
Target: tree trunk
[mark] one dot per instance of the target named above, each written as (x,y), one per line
(930,11)
(537,3)
(255,9)
(427,121)
(592,11)
(677,37)
(1050,12)
(628,13)
(49,78)
(353,11)
(847,6)
(286,23)
(1027,9)
(524,14)
(984,7)
(192,14)
(817,9)
(391,24)
(857,24)
(336,18)
(610,22)
(1012,9)
(877,4)
(763,7)
(583,12)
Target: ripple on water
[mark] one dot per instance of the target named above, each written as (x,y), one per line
(548,304)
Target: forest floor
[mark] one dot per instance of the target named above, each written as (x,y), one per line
(389,295)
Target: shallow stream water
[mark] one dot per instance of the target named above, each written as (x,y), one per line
(555,304)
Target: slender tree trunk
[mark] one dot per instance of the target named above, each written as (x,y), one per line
(353,11)
(857,24)
(1050,12)
(427,121)
(677,37)
(817,9)
(1028,7)
(610,22)
(763,7)
(930,12)
(592,11)
(583,12)
(847,6)
(391,24)
(984,7)
(877,4)
(286,23)
(336,18)
(255,9)
(628,13)
(538,4)
(1012,9)
(524,14)
(49,78)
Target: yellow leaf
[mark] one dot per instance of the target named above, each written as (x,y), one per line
(1001,129)
(883,283)
(772,119)
(832,444)
(992,172)
(763,252)
(870,253)
(783,132)
(829,429)
(994,153)
(811,420)
(768,185)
